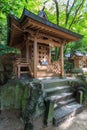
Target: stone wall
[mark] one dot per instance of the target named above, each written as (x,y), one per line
(27,99)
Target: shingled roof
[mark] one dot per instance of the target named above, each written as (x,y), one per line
(54,29)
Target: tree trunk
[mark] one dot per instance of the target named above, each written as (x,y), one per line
(57,11)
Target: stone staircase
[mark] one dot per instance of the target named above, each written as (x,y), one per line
(59,101)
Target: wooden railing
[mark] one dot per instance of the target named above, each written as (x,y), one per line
(29,67)
(19,63)
(54,67)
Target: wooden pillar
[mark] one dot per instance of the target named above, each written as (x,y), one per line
(62,60)
(27,50)
(49,55)
(35,58)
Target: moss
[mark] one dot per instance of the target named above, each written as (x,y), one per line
(78,85)
(77,70)
(11,95)
(35,104)
(8,67)
(1,67)
(2,78)
(5,71)
(25,97)
(85,96)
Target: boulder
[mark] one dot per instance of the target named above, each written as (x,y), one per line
(2,74)
(11,95)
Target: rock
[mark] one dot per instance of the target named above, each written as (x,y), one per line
(1,67)
(2,74)
(11,95)
(33,113)
(2,78)
(6,69)
(26,98)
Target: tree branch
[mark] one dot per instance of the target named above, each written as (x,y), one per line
(76,12)
(68,13)
(57,11)
(67,5)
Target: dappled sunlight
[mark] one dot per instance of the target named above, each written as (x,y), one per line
(66,124)
(75,123)
(83,117)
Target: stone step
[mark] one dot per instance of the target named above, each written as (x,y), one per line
(63,103)
(51,83)
(65,112)
(59,97)
(57,90)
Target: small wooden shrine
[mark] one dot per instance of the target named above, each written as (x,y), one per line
(35,36)
(79,59)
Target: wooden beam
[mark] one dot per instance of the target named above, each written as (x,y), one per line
(35,57)
(18,28)
(53,43)
(48,42)
(62,60)
(26,23)
(40,34)
(53,30)
(11,37)
(59,40)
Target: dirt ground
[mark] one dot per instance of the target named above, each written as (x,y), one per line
(9,121)
(79,122)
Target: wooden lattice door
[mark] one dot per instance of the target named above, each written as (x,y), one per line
(43,53)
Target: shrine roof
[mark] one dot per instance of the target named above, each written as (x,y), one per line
(27,13)
(60,31)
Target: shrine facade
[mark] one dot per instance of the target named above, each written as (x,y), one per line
(35,37)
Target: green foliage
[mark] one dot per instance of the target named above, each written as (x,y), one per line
(4,49)
(68,66)
(71,15)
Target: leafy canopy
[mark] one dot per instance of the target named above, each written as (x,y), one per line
(70,14)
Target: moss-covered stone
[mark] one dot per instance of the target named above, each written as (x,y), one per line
(2,74)
(1,67)
(49,112)
(85,95)
(8,67)
(5,72)
(35,105)
(80,73)
(2,78)
(11,95)
(27,97)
